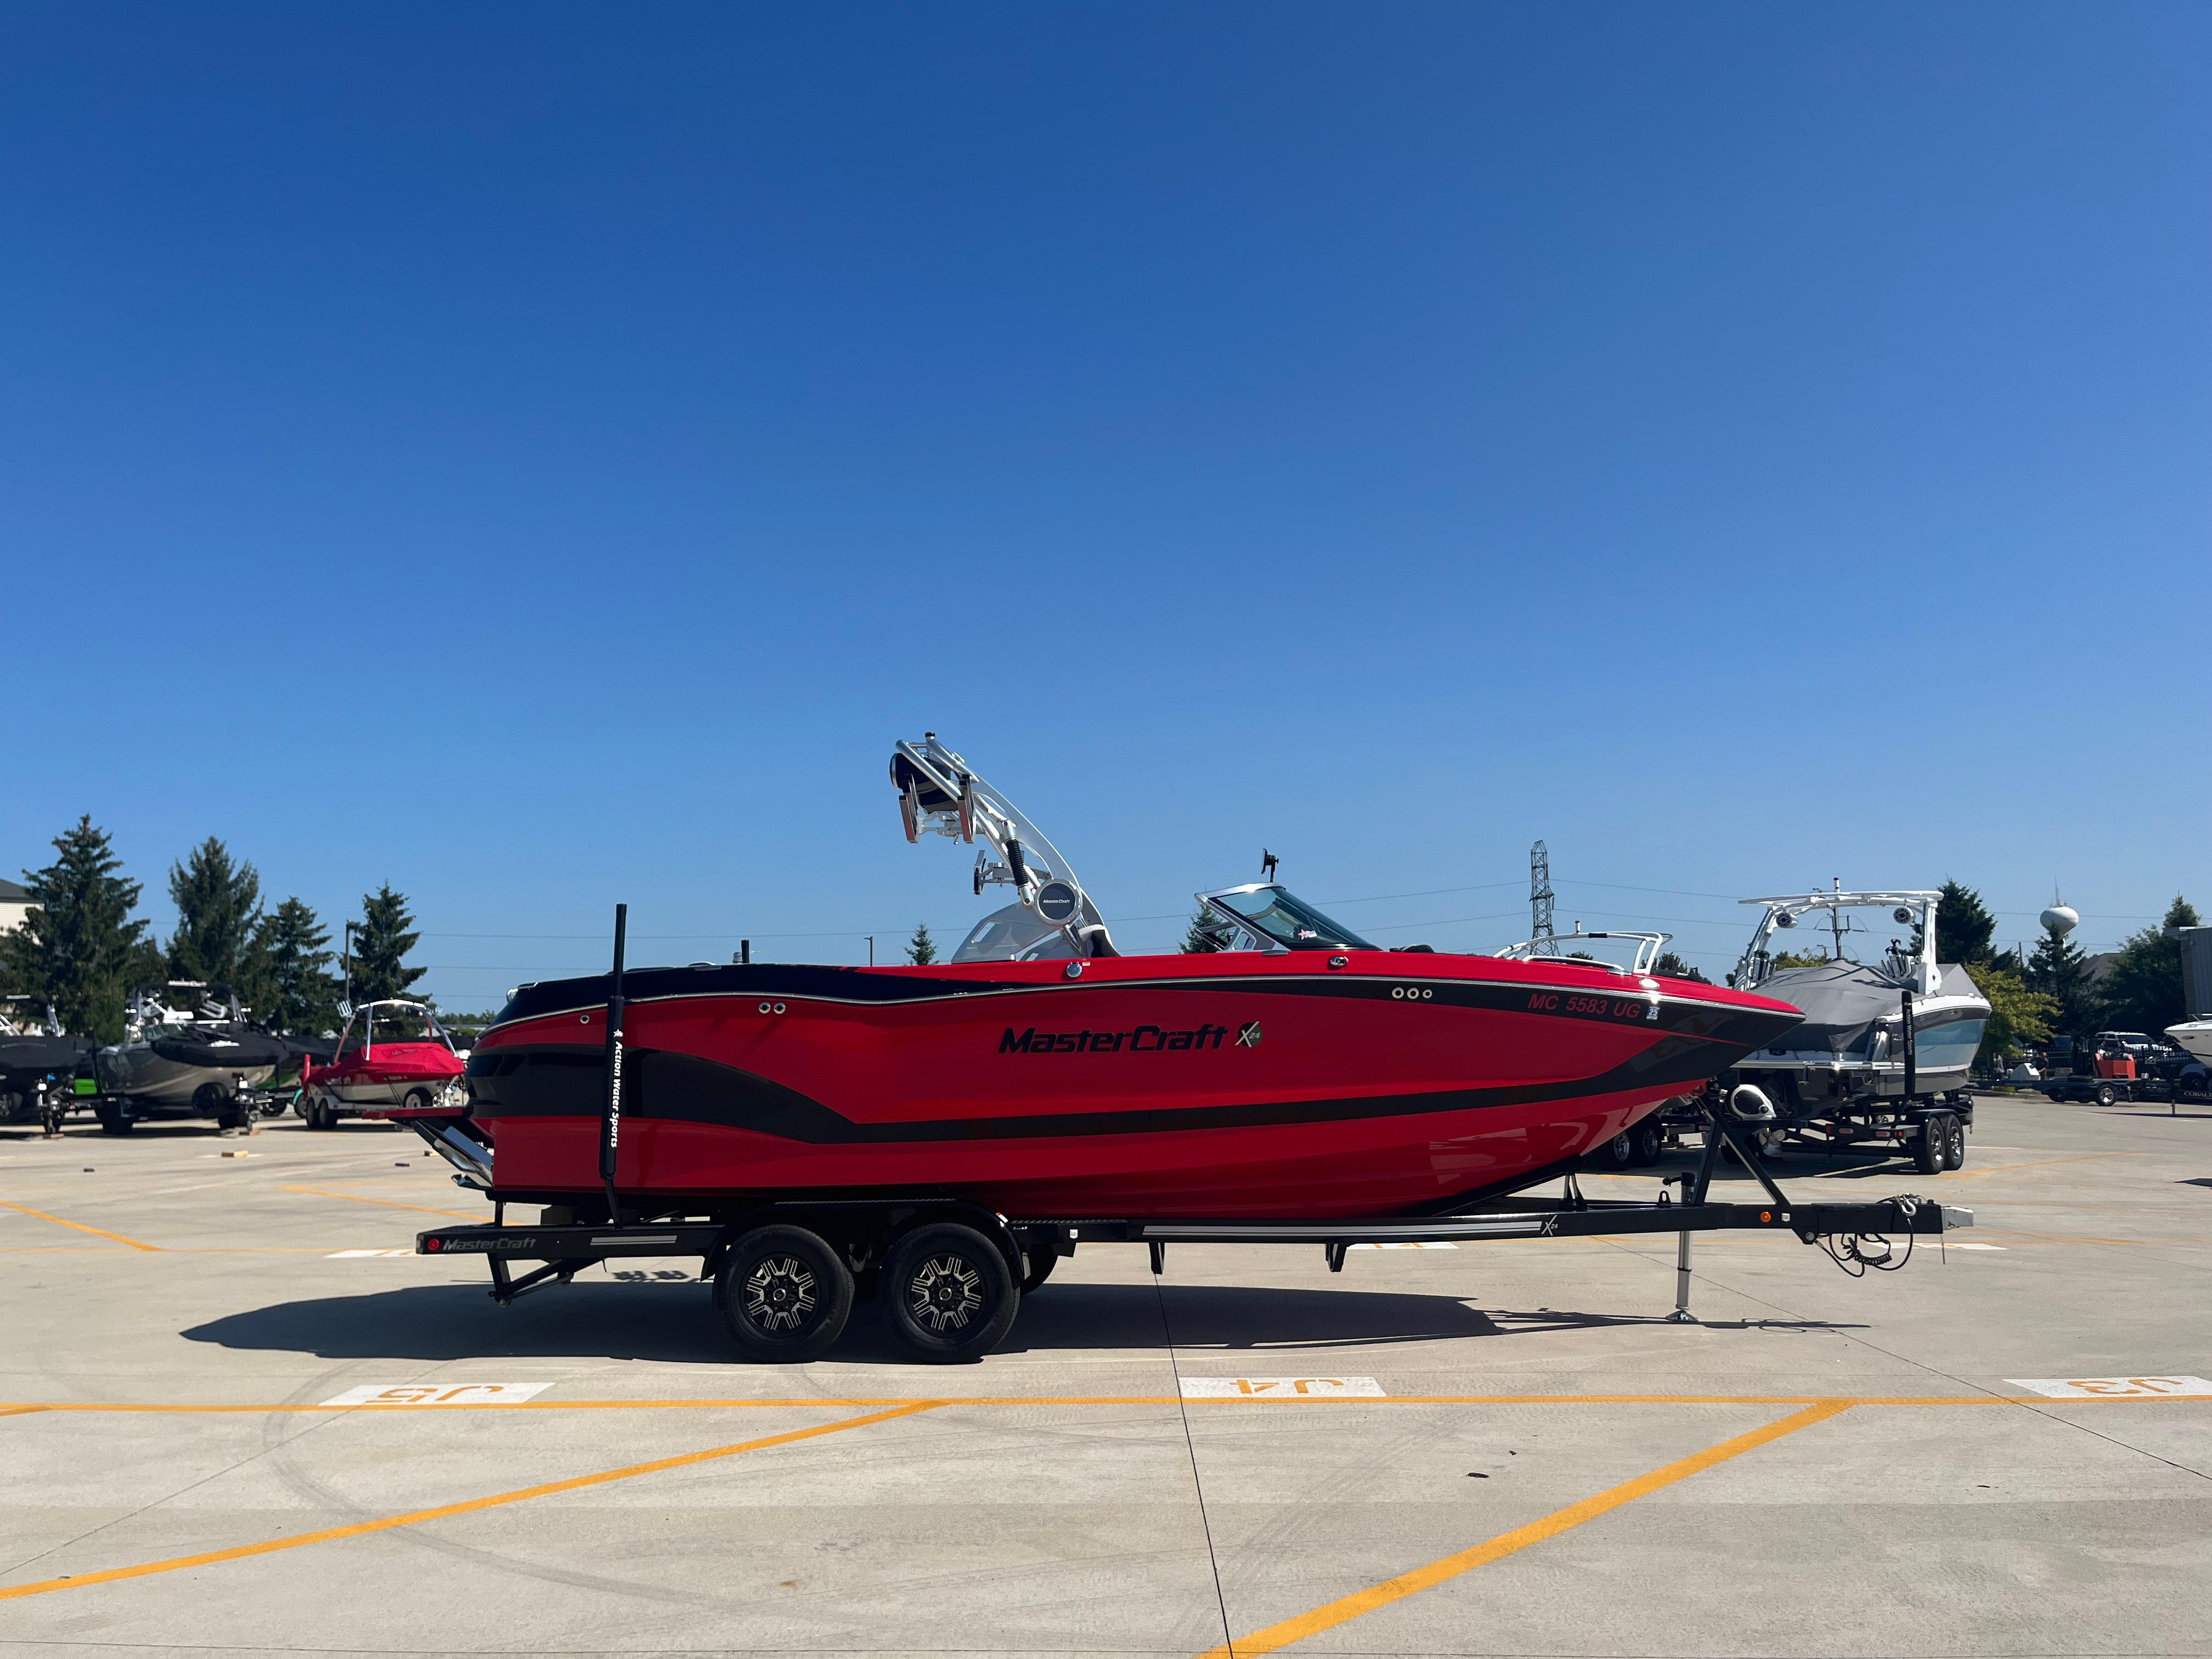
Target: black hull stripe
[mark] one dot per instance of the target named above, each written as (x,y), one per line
(567,1082)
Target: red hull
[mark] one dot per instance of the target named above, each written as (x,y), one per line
(387,1072)
(1148,1087)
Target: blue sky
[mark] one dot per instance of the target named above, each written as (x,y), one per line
(541,456)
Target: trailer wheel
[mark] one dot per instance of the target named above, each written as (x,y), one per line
(2105,1095)
(1645,1142)
(112,1122)
(948,1293)
(1928,1145)
(1041,1260)
(785,1294)
(418,1100)
(1954,1145)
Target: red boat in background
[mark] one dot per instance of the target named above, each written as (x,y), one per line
(1299,1071)
(392,1054)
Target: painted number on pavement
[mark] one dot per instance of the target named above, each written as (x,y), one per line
(1279,1388)
(437,1394)
(2115,1388)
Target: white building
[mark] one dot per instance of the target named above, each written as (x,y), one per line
(14,905)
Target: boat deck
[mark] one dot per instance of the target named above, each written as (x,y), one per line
(247,1417)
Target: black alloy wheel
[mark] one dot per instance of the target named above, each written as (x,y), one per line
(1042,1259)
(1954,1145)
(2105,1097)
(785,1293)
(1928,1145)
(949,1293)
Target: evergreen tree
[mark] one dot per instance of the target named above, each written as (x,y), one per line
(2059,971)
(78,947)
(2143,990)
(1206,934)
(296,992)
(218,903)
(380,943)
(1673,967)
(1963,926)
(922,949)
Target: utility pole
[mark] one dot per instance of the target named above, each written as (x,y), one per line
(1539,903)
(871,950)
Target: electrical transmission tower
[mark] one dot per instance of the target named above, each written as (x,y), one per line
(1539,903)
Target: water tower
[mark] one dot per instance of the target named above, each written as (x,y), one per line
(2060,919)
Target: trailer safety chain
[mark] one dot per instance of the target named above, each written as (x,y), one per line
(1857,1252)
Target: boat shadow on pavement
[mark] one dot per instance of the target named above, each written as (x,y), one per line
(674,1323)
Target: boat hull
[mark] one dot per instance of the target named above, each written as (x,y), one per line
(386,1075)
(1144,1087)
(157,1082)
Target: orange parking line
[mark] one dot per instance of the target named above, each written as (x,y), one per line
(416,1517)
(1346,1609)
(97,1233)
(389,1203)
(2041,1163)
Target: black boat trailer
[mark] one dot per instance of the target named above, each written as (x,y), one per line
(855,1239)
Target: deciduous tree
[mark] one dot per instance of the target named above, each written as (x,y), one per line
(2018,1014)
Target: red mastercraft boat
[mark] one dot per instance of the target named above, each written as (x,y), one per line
(1299,1071)
(392,1053)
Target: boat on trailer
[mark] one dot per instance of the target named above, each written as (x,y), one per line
(947,1131)
(392,1052)
(1882,1058)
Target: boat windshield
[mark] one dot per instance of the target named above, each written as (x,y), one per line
(1278,915)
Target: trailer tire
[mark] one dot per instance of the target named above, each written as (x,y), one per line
(948,1293)
(112,1122)
(1928,1145)
(2105,1097)
(1954,1145)
(785,1294)
(1646,1141)
(418,1100)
